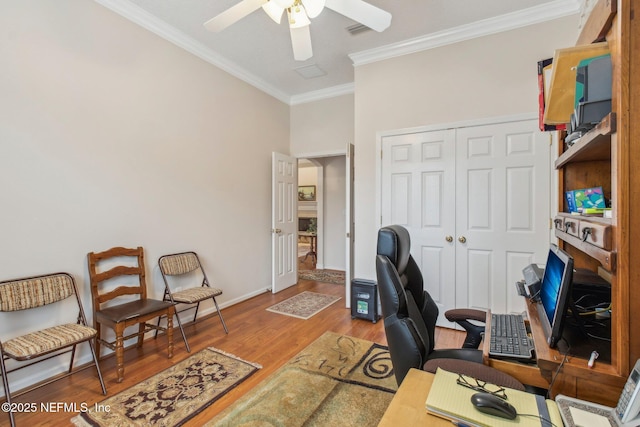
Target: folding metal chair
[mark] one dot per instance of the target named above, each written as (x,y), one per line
(187,267)
(42,344)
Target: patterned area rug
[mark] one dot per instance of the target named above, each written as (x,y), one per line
(304,305)
(335,381)
(324,276)
(175,395)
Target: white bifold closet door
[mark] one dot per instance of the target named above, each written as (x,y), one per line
(475,200)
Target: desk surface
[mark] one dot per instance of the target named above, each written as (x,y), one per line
(408,405)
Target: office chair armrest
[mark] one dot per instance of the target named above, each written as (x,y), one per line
(462,314)
(462,317)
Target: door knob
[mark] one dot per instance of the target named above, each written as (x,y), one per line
(462,239)
(276,230)
(449,239)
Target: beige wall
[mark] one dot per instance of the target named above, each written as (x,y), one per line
(486,77)
(110,135)
(323,127)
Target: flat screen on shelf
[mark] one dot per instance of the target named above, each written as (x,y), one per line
(555,293)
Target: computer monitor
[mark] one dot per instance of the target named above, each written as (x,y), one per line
(555,292)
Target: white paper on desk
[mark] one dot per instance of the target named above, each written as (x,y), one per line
(587,419)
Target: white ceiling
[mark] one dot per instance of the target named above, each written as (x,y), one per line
(258,50)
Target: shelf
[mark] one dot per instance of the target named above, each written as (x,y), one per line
(599,22)
(588,218)
(606,258)
(594,145)
(577,378)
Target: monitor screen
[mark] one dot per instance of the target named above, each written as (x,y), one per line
(555,292)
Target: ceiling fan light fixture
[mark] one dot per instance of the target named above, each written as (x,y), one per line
(313,7)
(298,17)
(285,4)
(274,11)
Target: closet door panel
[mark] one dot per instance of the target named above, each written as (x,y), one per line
(426,162)
(503,209)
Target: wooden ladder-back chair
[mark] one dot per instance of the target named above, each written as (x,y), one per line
(186,264)
(115,283)
(42,344)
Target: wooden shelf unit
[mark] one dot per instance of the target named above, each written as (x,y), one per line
(594,145)
(607,156)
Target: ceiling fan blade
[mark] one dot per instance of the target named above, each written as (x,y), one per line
(233,15)
(313,7)
(301,43)
(362,12)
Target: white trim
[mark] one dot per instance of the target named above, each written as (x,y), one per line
(159,27)
(457,125)
(318,154)
(522,18)
(317,95)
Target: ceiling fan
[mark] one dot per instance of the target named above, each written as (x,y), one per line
(298,13)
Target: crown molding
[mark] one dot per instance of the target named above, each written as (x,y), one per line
(510,21)
(317,95)
(537,14)
(159,27)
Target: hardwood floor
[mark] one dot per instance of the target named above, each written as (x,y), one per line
(254,334)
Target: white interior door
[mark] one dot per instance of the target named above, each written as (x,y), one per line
(284,221)
(418,192)
(502,211)
(474,200)
(349,223)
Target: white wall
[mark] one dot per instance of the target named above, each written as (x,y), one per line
(111,136)
(485,77)
(334,188)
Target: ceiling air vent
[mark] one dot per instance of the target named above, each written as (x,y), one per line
(357,29)
(310,71)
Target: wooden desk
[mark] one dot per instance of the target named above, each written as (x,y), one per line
(408,405)
(600,384)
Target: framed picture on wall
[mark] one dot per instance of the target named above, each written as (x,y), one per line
(307,193)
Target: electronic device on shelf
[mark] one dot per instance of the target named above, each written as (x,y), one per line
(532,280)
(625,414)
(555,293)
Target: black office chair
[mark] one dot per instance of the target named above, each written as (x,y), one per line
(410,316)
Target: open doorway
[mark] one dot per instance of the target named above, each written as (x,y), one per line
(321,211)
(310,173)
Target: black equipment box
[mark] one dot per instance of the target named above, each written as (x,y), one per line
(364,299)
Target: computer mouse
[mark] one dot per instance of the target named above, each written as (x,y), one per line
(493,405)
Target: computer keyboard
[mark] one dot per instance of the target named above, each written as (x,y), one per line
(509,337)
